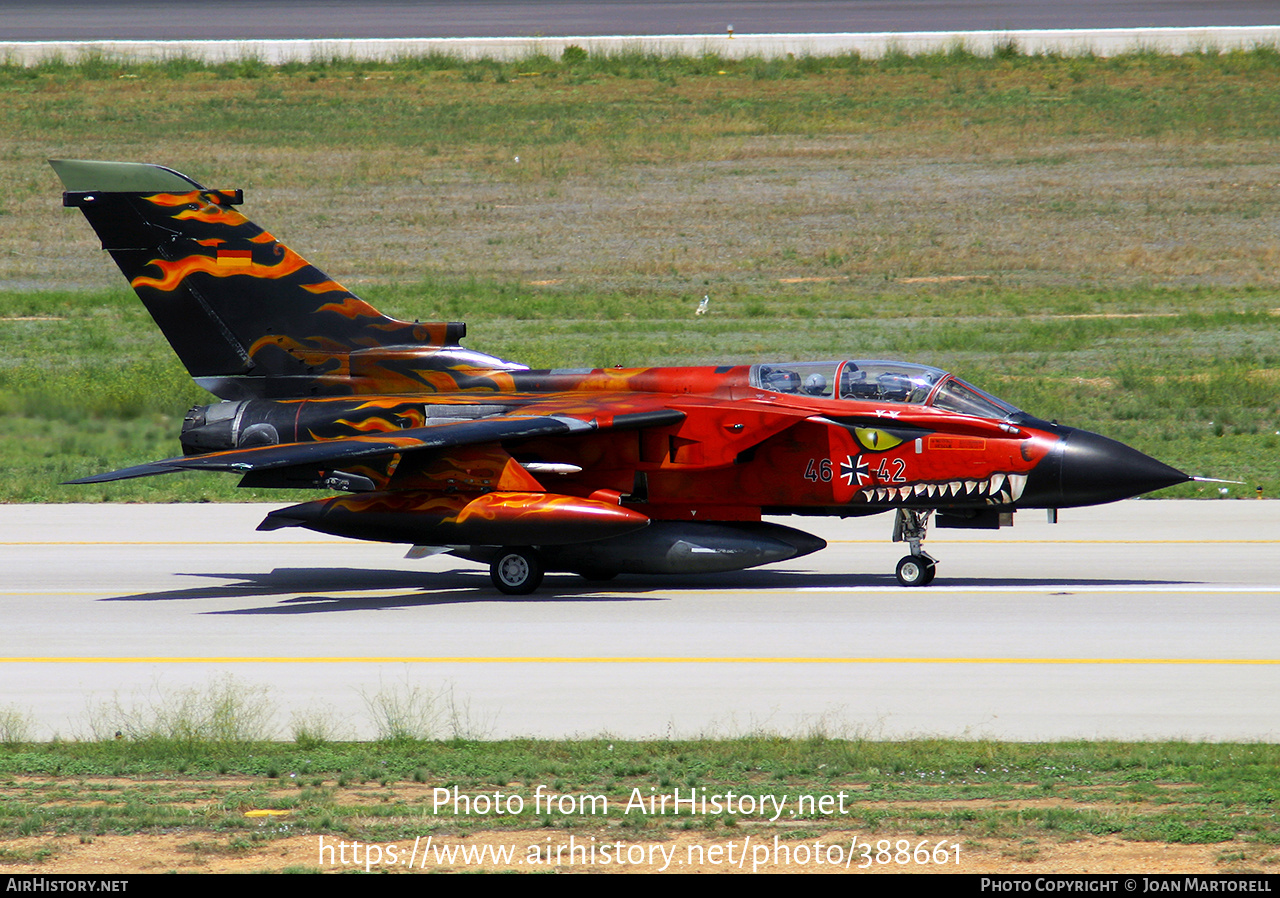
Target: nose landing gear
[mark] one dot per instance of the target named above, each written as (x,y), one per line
(909,526)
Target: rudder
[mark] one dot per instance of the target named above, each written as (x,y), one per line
(247,316)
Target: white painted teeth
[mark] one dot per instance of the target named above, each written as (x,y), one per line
(998,489)
(1017,483)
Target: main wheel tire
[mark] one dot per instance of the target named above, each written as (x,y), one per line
(516,570)
(915,570)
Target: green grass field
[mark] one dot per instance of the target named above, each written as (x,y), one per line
(1190,379)
(1091,239)
(185,776)
(1014,802)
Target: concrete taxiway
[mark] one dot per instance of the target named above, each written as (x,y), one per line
(300,19)
(1143,619)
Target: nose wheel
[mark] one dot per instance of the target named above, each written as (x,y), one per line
(516,570)
(916,570)
(909,526)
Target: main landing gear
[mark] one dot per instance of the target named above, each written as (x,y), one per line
(516,570)
(909,526)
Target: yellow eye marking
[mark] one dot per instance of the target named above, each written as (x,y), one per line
(876,440)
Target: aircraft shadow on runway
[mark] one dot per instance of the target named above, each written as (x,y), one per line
(308,590)
(304,590)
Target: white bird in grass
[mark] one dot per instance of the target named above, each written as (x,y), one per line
(702,306)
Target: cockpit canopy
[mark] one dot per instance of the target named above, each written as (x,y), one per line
(880,381)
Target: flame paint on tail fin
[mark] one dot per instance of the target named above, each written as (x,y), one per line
(248,316)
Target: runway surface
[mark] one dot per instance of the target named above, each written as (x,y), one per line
(1144,619)
(284,19)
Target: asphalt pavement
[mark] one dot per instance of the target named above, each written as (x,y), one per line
(1143,619)
(62,20)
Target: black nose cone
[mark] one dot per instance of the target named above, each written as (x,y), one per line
(1087,469)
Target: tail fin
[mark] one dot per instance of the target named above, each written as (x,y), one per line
(246,315)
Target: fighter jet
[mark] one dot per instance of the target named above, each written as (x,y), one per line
(592,471)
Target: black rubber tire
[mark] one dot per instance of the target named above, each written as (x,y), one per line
(516,570)
(915,570)
(933,569)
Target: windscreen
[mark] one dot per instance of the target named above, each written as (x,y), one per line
(880,381)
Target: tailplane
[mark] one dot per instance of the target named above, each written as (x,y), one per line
(248,316)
